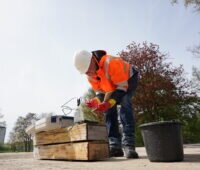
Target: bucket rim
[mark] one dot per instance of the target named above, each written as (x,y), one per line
(159,123)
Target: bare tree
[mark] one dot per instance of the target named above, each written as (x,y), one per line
(2,123)
(43,115)
(19,139)
(196,79)
(194,3)
(195,50)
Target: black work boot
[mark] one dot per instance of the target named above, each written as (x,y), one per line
(130,152)
(116,152)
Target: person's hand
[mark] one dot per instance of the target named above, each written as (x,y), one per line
(104,106)
(93,103)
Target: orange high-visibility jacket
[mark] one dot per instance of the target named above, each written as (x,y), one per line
(113,74)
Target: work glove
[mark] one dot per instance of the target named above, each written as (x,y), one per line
(93,103)
(104,106)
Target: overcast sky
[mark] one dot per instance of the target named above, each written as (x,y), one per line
(39,37)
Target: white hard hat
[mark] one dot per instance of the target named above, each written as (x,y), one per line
(82,60)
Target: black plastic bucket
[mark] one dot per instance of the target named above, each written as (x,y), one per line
(163,141)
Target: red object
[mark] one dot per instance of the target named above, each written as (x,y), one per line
(92,103)
(104,106)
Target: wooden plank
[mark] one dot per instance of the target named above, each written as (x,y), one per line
(78,132)
(62,135)
(97,132)
(73,151)
(97,151)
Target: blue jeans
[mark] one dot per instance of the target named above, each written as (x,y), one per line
(127,119)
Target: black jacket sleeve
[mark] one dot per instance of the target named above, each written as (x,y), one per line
(118,95)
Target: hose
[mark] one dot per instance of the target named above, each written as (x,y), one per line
(66,109)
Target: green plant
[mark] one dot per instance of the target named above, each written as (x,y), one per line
(5,148)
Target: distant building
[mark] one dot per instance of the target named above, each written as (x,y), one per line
(2,133)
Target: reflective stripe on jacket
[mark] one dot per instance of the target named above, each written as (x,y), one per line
(113,74)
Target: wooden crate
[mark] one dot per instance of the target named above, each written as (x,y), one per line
(79,132)
(78,142)
(73,151)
